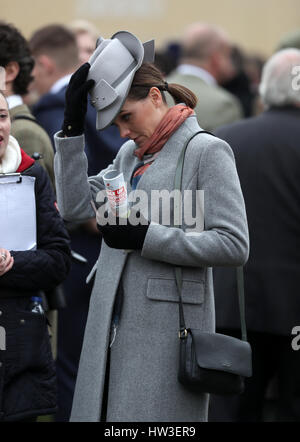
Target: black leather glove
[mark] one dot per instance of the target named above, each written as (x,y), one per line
(129,236)
(76,102)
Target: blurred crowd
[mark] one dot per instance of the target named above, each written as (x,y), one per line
(233,88)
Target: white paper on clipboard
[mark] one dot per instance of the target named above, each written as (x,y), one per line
(17,212)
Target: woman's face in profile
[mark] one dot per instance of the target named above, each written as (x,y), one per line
(4,126)
(138,119)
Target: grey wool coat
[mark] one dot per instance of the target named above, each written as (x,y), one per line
(143,382)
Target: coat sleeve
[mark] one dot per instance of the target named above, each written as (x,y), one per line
(75,190)
(48,265)
(71,176)
(225,240)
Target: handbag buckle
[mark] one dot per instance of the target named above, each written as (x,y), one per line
(182,334)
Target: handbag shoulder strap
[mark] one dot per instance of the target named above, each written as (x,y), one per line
(178,270)
(241,295)
(180,163)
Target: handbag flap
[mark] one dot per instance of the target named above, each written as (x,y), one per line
(215,351)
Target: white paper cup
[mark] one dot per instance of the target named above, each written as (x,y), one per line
(116,191)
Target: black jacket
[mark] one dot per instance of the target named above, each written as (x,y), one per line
(267,153)
(27,372)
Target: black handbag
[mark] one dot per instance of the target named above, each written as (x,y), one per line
(211,362)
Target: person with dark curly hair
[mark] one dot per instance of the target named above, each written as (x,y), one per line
(16,59)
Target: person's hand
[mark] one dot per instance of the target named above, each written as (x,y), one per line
(76,102)
(6,261)
(130,236)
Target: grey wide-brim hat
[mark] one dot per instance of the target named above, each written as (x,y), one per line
(113,65)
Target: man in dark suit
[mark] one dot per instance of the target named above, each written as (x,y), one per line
(55,51)
(267,152)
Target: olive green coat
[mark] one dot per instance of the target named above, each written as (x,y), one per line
(32,138)
(215,107)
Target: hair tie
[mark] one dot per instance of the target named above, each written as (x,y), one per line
(166,86)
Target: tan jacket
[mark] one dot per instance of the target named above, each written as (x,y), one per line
(215,107)
(32,138)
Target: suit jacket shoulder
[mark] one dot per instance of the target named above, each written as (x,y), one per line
(215,106)
(32,137)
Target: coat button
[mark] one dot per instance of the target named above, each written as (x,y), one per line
(22,321)
(0,313)
(0,364)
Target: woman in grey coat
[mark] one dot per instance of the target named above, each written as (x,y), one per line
(129,360)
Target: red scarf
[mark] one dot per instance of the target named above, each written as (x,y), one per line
(26,162)
(175,116)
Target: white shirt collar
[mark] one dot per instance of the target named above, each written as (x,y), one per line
(14,101)
(188,69)
(59,84)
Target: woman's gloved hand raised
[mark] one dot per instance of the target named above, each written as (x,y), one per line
(76,102)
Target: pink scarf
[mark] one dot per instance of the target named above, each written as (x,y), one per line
(175,116)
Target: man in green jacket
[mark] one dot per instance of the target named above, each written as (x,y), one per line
(18,63)
(205,65)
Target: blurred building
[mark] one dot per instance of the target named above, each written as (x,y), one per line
(256,27)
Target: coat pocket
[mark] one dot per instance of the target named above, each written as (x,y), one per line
(164,289)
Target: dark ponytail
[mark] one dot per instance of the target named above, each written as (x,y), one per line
(148,76)
(182,94)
